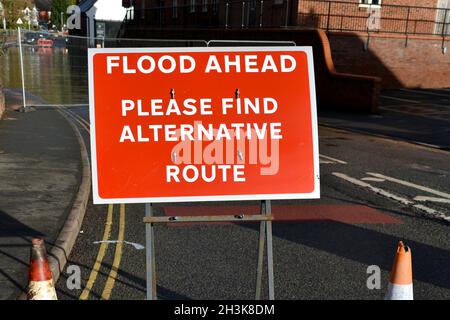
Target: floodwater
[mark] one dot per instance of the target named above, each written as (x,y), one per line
(57,75)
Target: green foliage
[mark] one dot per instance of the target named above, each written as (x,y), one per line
(13,11)
(2,47)
(59,6)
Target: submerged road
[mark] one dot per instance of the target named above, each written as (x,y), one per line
(375,192)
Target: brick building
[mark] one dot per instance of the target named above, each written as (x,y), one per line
(213,13)
(392,16)
(408,43)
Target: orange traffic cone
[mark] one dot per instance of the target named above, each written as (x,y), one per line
(401,283)
(41,286)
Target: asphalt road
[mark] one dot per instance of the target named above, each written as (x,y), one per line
(375,192)
(414,115)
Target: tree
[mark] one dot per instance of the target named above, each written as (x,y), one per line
(59,6)
(13,11)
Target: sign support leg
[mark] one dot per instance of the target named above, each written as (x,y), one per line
(270,252)
(261,244)
(265,233)
(150,255)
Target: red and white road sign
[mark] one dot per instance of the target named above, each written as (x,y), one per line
(203,124)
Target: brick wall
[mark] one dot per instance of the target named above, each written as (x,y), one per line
(412,16)
(419,62)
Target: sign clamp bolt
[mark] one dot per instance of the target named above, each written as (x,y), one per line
(173,218)
(172,93)
(239,217)
(237,93)
(240,156)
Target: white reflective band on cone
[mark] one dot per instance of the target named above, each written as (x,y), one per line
(399,292)
(42,290)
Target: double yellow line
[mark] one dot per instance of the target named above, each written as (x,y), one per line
(77,118)
(110,282)
(109,285)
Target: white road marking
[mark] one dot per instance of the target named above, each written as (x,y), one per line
(373,179)
(411,185)
(372,188)
(426,92)
(428,145)
(432,199)
(333,160)
(399,99)
(137,246)
(382,192)
(432,212)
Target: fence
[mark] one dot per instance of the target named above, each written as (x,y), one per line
(327,15)
(7,37)
(55,65)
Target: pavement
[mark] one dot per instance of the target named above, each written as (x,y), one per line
(40,170)
(381,183)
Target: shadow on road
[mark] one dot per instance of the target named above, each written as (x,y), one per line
(125,279)
(10,227)
(368,247)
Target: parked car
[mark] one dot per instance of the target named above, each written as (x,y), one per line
(45,43)
(33,38)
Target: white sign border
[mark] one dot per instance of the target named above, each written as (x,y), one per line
(315,194)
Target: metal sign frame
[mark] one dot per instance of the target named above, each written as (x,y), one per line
(265,235)
(265,240)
